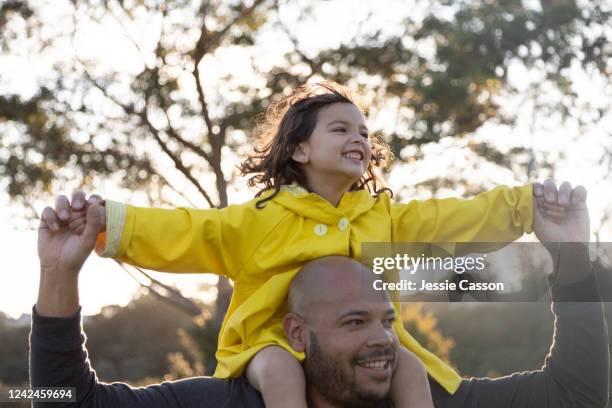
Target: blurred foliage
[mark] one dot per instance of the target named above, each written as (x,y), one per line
(201,342)
(424,326)
(13,353)
(495,339)
(127,345)
(165,121)
(445,72)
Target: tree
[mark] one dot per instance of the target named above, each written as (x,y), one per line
(14,354)
(164,125)
(425,325)
(126,344)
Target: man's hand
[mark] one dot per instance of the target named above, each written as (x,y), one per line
(67,233)
(560,215)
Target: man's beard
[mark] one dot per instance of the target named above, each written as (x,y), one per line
(325,374)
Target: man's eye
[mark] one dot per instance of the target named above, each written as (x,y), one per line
(365,135)
(390,321)
(339,129)
(354,323)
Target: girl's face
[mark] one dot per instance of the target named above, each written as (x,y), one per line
(338,152)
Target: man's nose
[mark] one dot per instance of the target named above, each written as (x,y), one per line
(381,337)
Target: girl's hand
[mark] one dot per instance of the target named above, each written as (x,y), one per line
(560,215)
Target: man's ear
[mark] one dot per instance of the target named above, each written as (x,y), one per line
(301,154)
(294,327)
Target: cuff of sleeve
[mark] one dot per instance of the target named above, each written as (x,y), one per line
(113,242)
(583,291)
(56,333)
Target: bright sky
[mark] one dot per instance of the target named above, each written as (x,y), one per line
(103,282)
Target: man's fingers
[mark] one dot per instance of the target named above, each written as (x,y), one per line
(76,223)
(78,200)
(62,207)
(538,190)
(48,219)
(95,199)
(80,229)
(544,205)
(92,226)
(554,207)
(565,190)
(550,191)
(555,213)
(578,195)
(76,215)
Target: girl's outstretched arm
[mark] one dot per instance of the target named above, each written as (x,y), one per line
(182,240)
(502,214)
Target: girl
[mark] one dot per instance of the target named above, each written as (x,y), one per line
(320,195)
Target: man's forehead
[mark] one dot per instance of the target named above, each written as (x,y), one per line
(341,285)
(332,283)
(351,295)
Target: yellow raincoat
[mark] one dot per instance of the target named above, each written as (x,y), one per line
(262,249)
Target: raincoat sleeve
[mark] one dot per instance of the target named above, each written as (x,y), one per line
(503,214)
(179,240)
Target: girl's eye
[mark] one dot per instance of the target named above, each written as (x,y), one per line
(389,322)
(365,135)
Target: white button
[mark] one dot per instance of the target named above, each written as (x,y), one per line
(343,224)
(320,229)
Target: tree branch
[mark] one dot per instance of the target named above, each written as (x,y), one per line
(315,67)
(202,99)
(207,43)
(172,296)
(126,32)
(170,185)
(177,162)
(192,146)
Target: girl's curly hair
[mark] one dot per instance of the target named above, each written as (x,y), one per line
(290,122)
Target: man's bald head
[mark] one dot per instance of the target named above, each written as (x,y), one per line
(321,280)
(341,323)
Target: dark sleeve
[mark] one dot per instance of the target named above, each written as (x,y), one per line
(58,358)
(575,372)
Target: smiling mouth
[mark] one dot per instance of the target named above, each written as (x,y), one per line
(353,155)
(375,364)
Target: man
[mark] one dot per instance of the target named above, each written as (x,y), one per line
(323,294)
